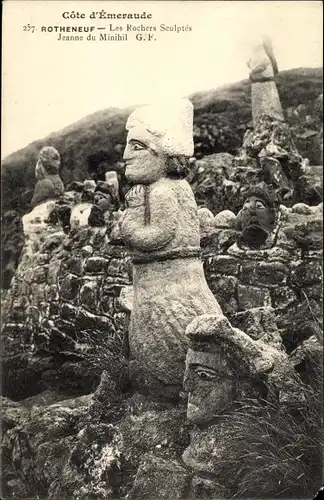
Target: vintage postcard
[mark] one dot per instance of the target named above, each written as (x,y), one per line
(161,250)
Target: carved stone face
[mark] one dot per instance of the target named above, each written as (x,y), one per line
(143,164)
(210,383)
(256,221)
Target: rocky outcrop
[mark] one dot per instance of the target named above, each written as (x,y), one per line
(63,305)
(89,446)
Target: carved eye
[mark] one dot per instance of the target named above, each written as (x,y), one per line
(138,147)
(259,204)
(205,374)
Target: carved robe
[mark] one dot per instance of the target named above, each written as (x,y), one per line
(161,226)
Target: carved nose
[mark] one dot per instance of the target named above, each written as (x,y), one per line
(187,382)
(127,155)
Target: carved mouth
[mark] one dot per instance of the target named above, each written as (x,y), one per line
(254,234)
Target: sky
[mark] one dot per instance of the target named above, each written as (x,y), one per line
(49,84)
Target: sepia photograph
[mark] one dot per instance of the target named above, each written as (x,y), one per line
(162,250)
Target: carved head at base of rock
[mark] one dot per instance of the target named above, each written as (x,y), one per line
(159,142)
(223,365)
(259,216)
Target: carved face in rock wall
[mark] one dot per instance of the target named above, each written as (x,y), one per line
(256,221)
(144,165)
(210,383)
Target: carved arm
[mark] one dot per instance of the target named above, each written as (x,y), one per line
(161,227)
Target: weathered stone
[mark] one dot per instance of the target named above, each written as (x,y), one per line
(314,291)
(250,297)
(75,186)
(225,219)
(51,293)
(69,287)
(219,240)
(86,251)
(29,275)
(116,268)
(96,265)
(264,273)
(126,298)
(53,241)
(112,287)
(308,234)
(159,479)
(89,295)
(37,293)
(74,265)
(53,271)
(307,273)
(43,258)
(224,289)
(302,208)
(96,217)
(33,314)
(273,174)
(207,489)
(282,296)
(299,321)
(99,236)
(80,215)
(40,274)
(107,305)
(221,264)
(307,359)
(54,309)
(88,321)
(257,322)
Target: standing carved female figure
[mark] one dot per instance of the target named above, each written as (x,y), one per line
(263,69)
(160,225)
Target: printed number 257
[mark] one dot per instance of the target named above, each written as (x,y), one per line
(28,27)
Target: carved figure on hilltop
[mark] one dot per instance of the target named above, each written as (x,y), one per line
(264,93)
(49,184)
(161,226)
(258,219)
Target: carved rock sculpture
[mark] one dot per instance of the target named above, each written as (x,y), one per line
(237,387)
(49,184)
(161,226)
(264,93)
(258,220)
(221,363)
(224,365)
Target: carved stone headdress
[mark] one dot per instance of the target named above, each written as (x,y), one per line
(166,126)
(210,330)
